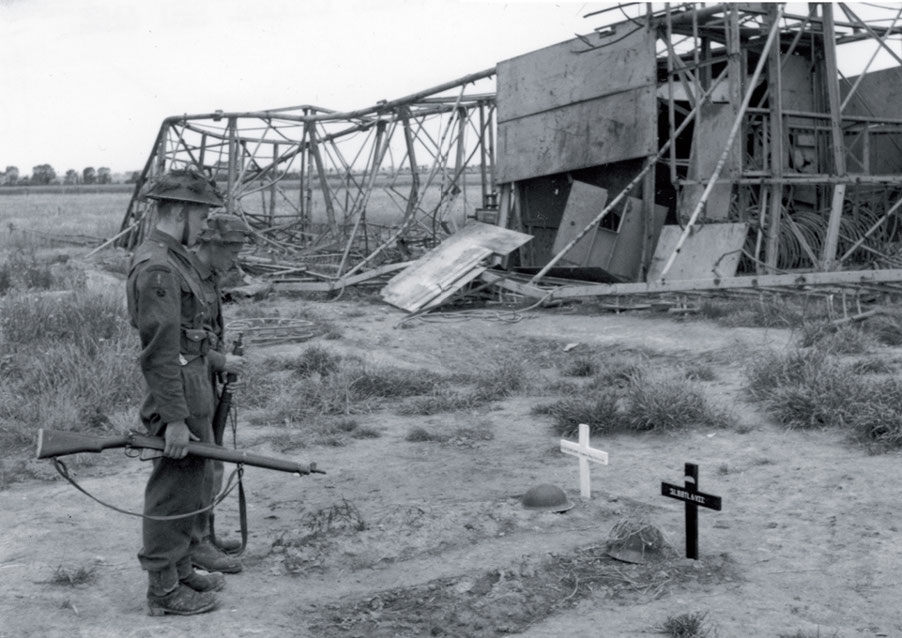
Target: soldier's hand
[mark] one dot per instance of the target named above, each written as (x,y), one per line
(235,364)
(177,437)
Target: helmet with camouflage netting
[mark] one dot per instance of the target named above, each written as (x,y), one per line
(185,185)
(226,229)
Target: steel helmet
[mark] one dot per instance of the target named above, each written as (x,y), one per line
(546,497)
(185,185)
(637,541)
(226,229)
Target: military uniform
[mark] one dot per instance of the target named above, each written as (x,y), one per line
(216,360)
(222,230)
(167,306)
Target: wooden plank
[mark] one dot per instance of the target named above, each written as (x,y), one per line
(527,290)
(337,284)
(711,250)
(581,135)
(584,202)
(566,73)
(754,282)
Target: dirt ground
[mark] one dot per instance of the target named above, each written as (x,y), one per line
(430,538)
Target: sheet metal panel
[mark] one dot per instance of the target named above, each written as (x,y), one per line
(711,251)
(583,205)
(710,138)
(600,131)
(879,95)
(559,110)
(449,266)
(567,72)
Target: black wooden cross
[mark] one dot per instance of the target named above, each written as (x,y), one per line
(693,498)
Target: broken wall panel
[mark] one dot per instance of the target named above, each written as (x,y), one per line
(624,256)
(711,135)
(561,110)
(878,95)
(567,73)
(449,266)
(592,133)
(712,250)
(584,202)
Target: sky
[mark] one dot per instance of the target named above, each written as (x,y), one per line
(88,82)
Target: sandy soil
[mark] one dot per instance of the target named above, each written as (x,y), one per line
(429,538)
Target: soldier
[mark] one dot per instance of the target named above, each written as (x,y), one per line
(167,306)
(217,249)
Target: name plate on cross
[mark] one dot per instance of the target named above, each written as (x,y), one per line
(689,494)
(584,453)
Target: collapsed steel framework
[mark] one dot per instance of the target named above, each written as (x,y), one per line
(756,125)
(749,118)
(334,195)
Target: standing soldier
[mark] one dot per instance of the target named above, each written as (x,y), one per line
(217,250)
(167,306)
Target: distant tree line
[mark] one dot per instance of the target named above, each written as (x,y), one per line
(44,174)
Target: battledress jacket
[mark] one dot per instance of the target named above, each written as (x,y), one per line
(167,306)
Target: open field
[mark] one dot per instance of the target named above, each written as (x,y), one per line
(432,430)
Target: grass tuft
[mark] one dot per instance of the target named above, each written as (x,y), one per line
(420,434)
(812,389)
(690,625)
(765,312)
(73,576)
(847,339)
(581,367)
(630,398)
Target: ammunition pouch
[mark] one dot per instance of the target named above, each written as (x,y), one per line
(196,342)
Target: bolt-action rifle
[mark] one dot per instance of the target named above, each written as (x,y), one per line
(224,406)
(53,443)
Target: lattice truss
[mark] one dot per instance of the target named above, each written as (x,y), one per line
(801,169)
(758,124)
(331,193)
(804,175)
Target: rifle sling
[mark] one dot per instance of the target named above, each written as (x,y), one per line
(219,423)
(64,472)
(242,518)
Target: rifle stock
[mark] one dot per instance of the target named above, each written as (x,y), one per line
(53,443)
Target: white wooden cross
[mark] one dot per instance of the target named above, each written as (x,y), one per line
(584,453)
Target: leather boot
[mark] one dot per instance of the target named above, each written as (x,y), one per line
(165,598)
(211,559)
(203,582)
(228,545)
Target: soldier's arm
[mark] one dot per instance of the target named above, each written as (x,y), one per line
(217,356)
(159,323)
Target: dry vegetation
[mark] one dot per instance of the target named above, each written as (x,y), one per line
(67,361)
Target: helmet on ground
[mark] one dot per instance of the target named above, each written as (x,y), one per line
(226,229)
(547,498)
(185,185)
